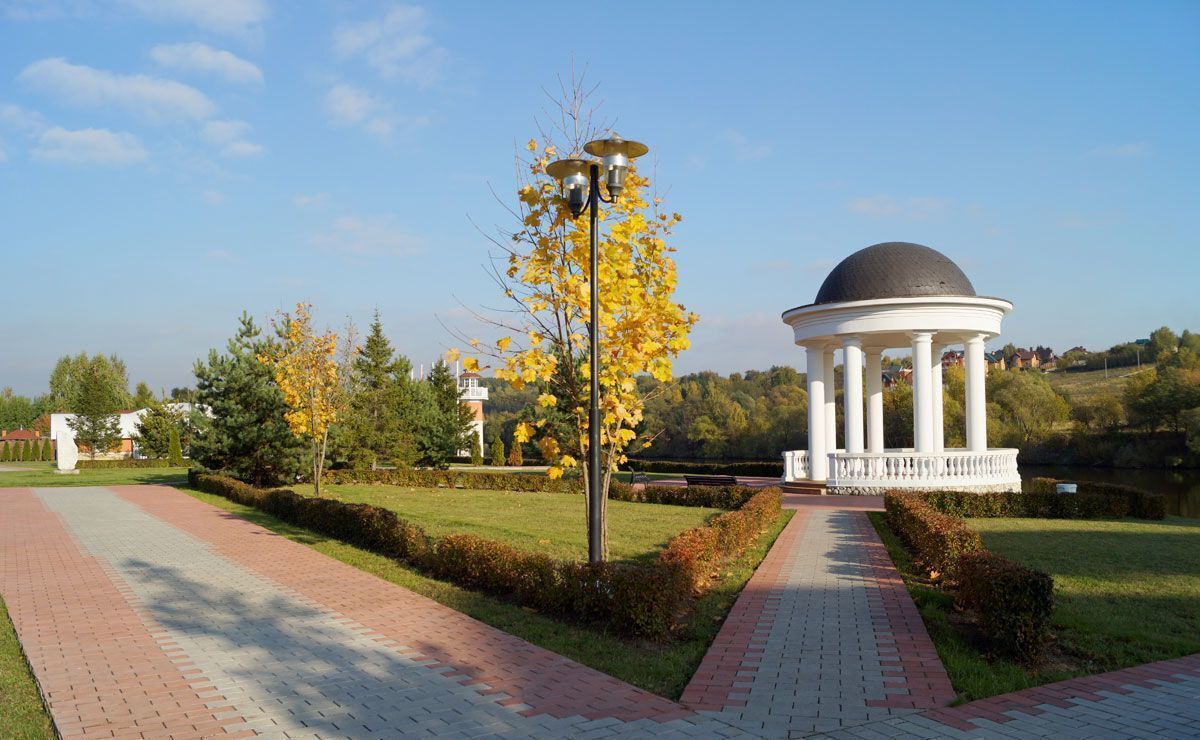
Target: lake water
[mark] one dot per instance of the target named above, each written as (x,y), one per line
(1181,487)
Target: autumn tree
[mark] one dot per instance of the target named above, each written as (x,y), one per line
(543,271)
(305,366)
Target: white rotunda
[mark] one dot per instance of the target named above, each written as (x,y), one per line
(896,295)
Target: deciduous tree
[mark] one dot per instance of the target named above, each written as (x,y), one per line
(544,272)
(305,367)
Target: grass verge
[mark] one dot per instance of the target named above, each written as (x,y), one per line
(22,714)
(552,523)
(42,475)
(660,668)
(1126,592)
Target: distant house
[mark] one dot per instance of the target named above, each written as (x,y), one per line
(953,358)
(127,422)
(20,435)
(1047,360)
(894,375)
(995,360)
(1023,359)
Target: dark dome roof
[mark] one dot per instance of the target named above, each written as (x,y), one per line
(893,270)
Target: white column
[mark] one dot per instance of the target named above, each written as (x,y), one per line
(922,362)
(976,394)
(874,399)
(831,444)
(818,468)
(939,431)
(852,393)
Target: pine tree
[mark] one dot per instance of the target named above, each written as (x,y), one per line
(22,451)
(95,408)
(246,436)
(175,451)
(35,451)
(446,421)
(48,450)
(155,427)
(515,458)
(380,421)
(498,452)
(5,452)
(476,449)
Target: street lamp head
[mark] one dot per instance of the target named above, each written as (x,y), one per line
(615,154)
(572,174)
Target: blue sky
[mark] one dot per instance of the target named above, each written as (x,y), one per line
(167,163)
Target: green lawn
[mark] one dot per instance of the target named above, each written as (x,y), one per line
(1126,592)
(553,523)
(22,715)
(663,669)
(41,474)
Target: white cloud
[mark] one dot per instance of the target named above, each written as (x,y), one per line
(152,98)
(223,16)
(1130,150)
(197,57)
(229,138)
(88,146)
(316,200)
(22,119)
(213,197)
(352,106)
(366,237)
(396,46)
(744,150)
(918,208)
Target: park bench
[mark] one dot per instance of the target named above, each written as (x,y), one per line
(710,480)
(637,478)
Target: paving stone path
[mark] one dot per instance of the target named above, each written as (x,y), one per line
(146,613)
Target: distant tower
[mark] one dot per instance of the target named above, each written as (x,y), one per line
(473,394)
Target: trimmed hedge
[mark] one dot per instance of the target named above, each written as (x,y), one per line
(716,497)
(1012,603)
(426,478)
(762,468)
(938,540)
(123,463)
(640,600)
(1141,504)
(1036,505)
(697,552)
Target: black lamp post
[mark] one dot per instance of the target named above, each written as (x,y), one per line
(580,178)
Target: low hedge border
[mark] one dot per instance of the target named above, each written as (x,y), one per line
(755,468)
(634,599)
(1140,504)
(126,463)
(717,497)
(1011,603)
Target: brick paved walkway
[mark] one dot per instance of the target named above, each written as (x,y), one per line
(146,613)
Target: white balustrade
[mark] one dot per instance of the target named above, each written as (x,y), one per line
(909,469)
(795,465)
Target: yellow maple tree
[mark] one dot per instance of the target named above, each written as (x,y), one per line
(306,368)
(544,273)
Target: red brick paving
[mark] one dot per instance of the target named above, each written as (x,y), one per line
(547,682)
(733,655)
(100,661)
(899,629)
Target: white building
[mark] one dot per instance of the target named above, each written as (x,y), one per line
(127,422)
(888,296)
(473,393)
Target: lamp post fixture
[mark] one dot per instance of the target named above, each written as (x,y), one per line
(580,179)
